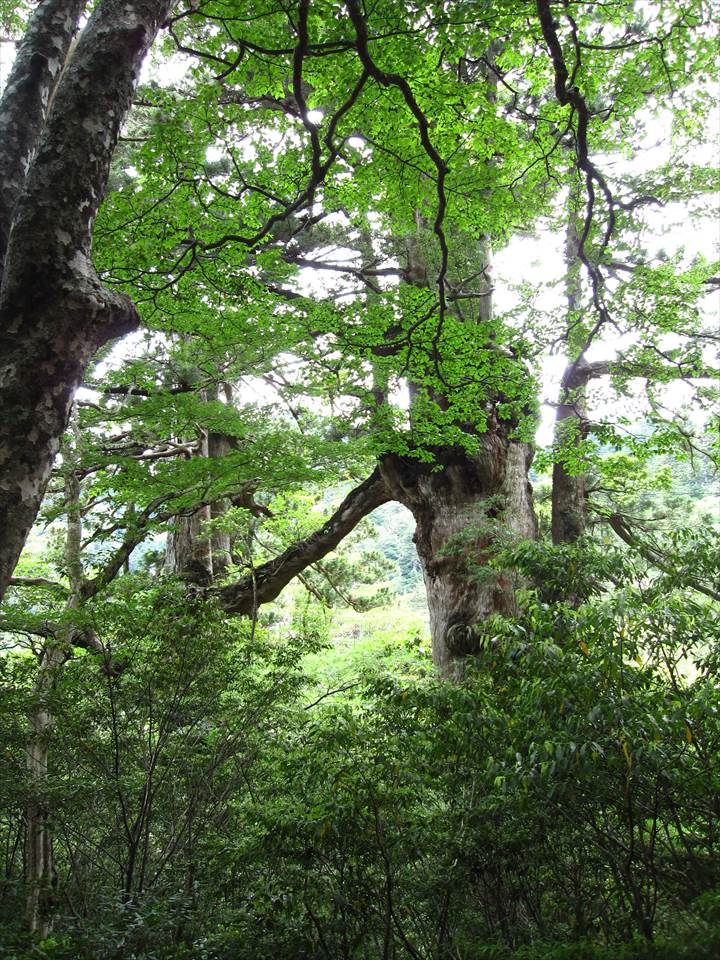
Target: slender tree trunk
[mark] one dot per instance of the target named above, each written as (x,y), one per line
(569,509)
(40,877)
(40,874)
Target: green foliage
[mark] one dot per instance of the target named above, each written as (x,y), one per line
(232,790)
(558,799)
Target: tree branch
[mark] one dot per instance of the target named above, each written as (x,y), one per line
(619,525)
(268,580)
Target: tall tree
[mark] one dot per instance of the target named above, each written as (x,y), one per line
(60,125)
(299,143)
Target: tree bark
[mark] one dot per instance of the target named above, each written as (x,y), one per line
(569,510)
(461,504)
(188,551)
(40,875)
(219,446)
(26,99)
(569,501)
(267,581)
(54,312)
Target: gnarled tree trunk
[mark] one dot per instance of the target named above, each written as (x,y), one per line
(461,504)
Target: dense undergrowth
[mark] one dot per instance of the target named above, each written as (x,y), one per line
(220,797)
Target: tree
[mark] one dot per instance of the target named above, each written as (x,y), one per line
(61,117)
(341,151)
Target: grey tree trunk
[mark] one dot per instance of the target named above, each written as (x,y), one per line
(40,875)
(54,311)
(569,507)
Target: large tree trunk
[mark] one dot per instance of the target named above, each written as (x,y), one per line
(54,312)
(461,504)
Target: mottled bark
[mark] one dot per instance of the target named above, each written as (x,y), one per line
(54,312)
(460,504)
(269,579)
(36,70)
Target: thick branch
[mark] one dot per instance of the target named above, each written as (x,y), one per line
(39,582)
(267,581)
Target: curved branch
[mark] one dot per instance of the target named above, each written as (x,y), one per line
(620,527)
(267,581)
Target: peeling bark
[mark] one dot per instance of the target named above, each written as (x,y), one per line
(269,579)
(54,312)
